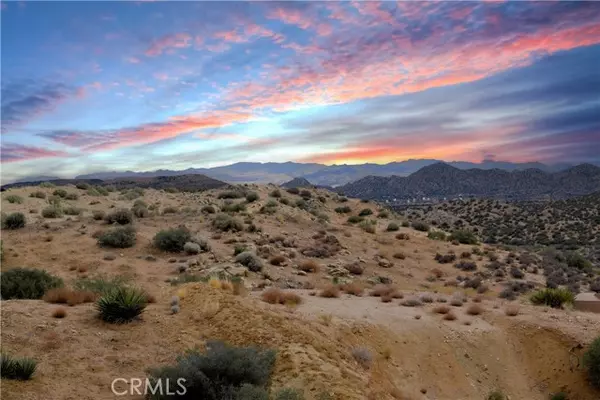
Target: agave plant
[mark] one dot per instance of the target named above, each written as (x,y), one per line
(17,368)
(121,305)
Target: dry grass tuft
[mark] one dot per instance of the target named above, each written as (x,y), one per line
(309,266)
(59,312)
(330,291)
(68,296)
(277,260)
(353,288)
(478,299)
(399,255)
(278,296)
(386,290)
(450,316)
(474,309)
(386,298)
(512,310)
(226,285)
(411,302)
(215,283)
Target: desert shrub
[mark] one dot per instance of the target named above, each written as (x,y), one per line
(275,193)
(221,372)
(82,185)
(383,214)
(170,210)
(252,197)
(392,227)
(72,211)
(301,204)
(464,237)
(450,316)
(38,194)
(465,254)
(330,291)
(517,273)
(411,302)
(72,196)
(14,221)
(367,226)
(511,310)
(441,309)
(17,368)
(355,219)
(559,396)
(230,194)
(208,209)
(140,211)
(64,295)
(364,212)
(308,266)
(121,217)
(103,192)
(60,193)
(576,260)
(343,210)
(591,361)
(306,194)
(277,260)
(293,190)
(420,226)
(59,312)
(14,199)
(278,296)
(250,261)
(445,258)
(98,215)
(363,356)
(239,248)
(474,309)
(27,283)
(224,222)
(466,266)
(353,288)
(289,394)
(437,235)
(52,212)
(100,284)
(119,238)
(172,240)
(233,207)
(496,395)
(554,298)
(121,305)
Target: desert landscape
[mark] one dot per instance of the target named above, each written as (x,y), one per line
(358,302)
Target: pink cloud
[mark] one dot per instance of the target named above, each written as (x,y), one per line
(175,41)
(17,152)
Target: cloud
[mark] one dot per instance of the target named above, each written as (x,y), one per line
(165,43)
(25,100)
(17,152)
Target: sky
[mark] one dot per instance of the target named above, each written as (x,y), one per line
(93,86)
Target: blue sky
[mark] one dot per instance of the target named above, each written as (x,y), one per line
(92,86)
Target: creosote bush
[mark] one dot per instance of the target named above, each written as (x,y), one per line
(119,238)
(60,193)
(220,372)
(172,240)
(38,194)
(52,212)
(464,237)
(330,291)
(252,197)
(14,221)
(121,305)
(208,209)
(121,217)
(364,212)
(343,210)
(14,199)
(17,368)
(278,296)
(98,215)
(392,227)
(224,223)
(250,260)
(554,298)
(437,235)
(420,226)
(230,194)
(27,283)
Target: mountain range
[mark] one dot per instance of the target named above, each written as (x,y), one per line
(317,174)
(444,180)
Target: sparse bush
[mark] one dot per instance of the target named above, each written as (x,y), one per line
(72,196)
(275,193)
(437,235)
(14,199)
(355,219)
(367,226)
(591,361)
(60,193)
(230,194)
(119,238)
(496,395)
(27,283)
(441,309)
(203,243)
(364,212)
(121,305)
(466,266)
(208,209)
(511,310)
(170,210)
(277,260)
(293,190)
(52,212)
(221,372)
(14,221)
(516,273)
(250,261)
(121,217)
(38,194)
(82,185)
(72,211)
(17,368)
(383,214)
(554,298)
(172,240)
(64,295)
(420,226)
(576,260)
(343,210)
(464,237)
(411,302)
(402,236)
(98,215)
(59,312)
(224,222)
(363,356)
(252,197)
(353,288)
(445,258)
(392,227)
(278,296)
(474,309)
(289,394)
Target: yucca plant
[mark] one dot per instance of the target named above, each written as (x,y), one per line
(122,305)
(554,298)
(17,368)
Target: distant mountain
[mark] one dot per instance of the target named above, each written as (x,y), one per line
(41,178)
(444,180)
(193,182)
(317,174)
(297,183)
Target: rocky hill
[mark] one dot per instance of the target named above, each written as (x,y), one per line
(442,180)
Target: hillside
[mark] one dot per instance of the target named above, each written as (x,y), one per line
(442,180)
(355,302)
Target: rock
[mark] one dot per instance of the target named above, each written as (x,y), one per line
(174,309)
(301,273)
(193,262)
(237,271)
(191,248)
(385,263)
(150,257)
(109,257)
(377,279)
(338,271)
